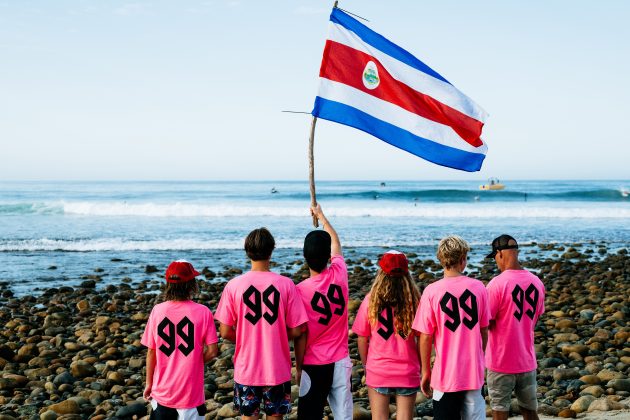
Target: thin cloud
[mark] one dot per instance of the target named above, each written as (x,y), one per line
(130,9)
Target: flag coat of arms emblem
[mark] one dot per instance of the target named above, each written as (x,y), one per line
(369,83)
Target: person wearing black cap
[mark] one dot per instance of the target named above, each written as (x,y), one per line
(516,299)
(322,359)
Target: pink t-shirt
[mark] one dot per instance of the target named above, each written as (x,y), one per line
(178,331)
(516,299)
(262,305)
(392,361)
(325,298)
(453,310)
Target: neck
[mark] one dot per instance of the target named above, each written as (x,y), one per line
(452,272)
(513,265)
(262,265)
(313,272)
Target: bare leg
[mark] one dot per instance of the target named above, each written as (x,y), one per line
(405,407)
(379,405)
(528,414)
(500,415)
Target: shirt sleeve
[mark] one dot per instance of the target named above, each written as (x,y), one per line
(361,324)
(338,268)
(484,312)
(148,338)
(226,313)
(296,314)
(211,330)
(425,317)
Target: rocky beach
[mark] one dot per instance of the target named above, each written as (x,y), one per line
(75,352)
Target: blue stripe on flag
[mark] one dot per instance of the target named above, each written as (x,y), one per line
(396,136)
(381,43)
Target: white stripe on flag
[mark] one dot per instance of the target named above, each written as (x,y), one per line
(395,115)
(417,80)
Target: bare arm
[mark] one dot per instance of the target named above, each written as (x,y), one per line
(150,369)
(294,332)
(299,346)
(335,246)
(425,343)
(210,352)
(227,332)
(363,348)
(484,337)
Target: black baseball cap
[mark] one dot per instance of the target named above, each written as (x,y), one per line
(502,242)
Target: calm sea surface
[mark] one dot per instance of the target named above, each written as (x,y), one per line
(79,226)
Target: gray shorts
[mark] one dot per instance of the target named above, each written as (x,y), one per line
(501,385)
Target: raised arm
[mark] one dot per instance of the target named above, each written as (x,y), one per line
(335,246)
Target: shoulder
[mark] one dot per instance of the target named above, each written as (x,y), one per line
(283,281)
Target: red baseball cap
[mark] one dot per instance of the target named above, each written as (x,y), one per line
(180,271)
(394,262)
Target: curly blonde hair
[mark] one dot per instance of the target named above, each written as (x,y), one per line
(451,251)
(398,292)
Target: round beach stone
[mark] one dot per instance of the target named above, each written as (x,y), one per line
(581,404)
(565,374)
(619,384)
(65,407)
(48,415)
(594,390)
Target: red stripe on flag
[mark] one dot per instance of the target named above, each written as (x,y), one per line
(345,65)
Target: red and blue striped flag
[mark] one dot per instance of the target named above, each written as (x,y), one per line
(372,84)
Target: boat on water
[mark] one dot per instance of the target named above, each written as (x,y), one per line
(493,184)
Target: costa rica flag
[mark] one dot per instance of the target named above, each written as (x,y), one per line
(370,83)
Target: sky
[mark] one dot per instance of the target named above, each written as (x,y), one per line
(193,90)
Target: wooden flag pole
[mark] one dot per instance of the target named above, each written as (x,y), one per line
(311,168)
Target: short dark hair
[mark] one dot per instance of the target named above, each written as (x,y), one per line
(259,244)
(317,245)
(180,291)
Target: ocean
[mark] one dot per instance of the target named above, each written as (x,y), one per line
(56,233)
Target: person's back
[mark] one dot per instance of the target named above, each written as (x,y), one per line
(322,359)
(260,311)
(261,306)
(516,299)
(453,315)
(386,342)
(457,316)
(180,335)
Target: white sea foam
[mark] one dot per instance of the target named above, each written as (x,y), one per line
(423,210)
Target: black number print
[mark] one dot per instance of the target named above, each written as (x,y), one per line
(519,297)
(271,299)
(468,303)
(387,323)
(185,329)
(255,305)
(335,295)
(322,304)
(169,336)
(452,312)
(469,310)
(254,300)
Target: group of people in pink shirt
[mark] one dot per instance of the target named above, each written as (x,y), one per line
(443,342)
